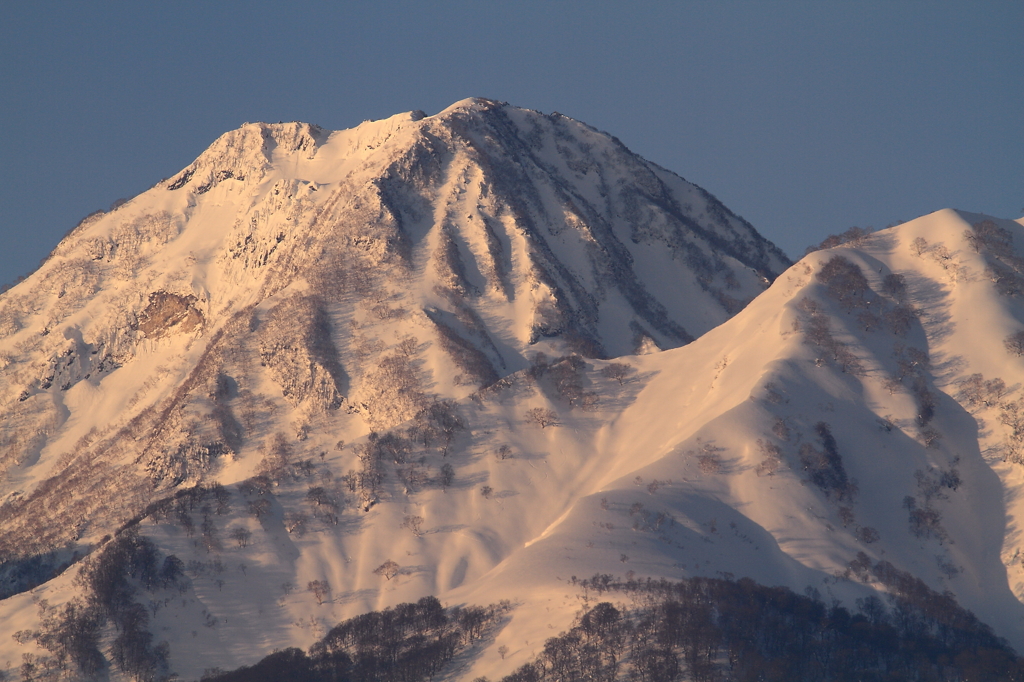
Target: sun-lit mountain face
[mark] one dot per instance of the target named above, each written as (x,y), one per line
(484,355)
(292,275)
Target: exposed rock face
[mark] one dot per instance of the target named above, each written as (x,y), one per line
(169,313)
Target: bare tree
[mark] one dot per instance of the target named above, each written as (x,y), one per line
(892,385)
(321,590)
(853,236)
(1014,343)
(209,530)
(486,491)
(848,362)
(447,475)
(320,498)
(414,523)
(442,417)
(223,498)
(618,371)
(781,429)
(772,458)
(867,534)
(772,394)
(259,507)
(407,346)
(895,285)
(974,240)
(389,569)
(414,477)
(295,523)
(978,392)
(707,458)
(542,417)
(931,437)
(504,452)
(241,536)
(1012,415)
(709,463)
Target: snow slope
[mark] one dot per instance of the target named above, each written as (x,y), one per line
(296,288)
(311,275)
(833,424)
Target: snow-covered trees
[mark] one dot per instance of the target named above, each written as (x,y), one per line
(392,392)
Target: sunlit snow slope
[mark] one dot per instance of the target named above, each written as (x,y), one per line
(856,425)
(292,275)
(378,360)
(295,289)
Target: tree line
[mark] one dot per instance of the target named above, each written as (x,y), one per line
(407,643)
(720,630)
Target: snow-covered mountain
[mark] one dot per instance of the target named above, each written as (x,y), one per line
(293,278)
(333,372)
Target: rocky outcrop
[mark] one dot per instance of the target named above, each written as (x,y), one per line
(169,313)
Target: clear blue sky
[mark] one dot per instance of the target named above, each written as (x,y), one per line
(804,117)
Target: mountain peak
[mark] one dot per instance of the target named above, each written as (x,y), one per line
(470,105)
(460,246)
(296,289)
